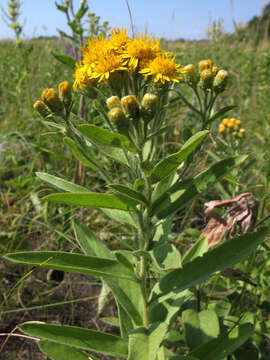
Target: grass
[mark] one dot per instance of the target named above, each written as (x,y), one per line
(27,223)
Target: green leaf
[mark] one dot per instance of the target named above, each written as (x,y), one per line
(78,155)
(61,184)
(110,320)
(138,347)
(166,256)
(225,344)
(89,242)
(82,11)
(77,263)
(200,327)
(101,136)
(66,60)
(94,200)
(167,165)
(198,249)
(59,351)
(120,216)
(221,112)
(181,193)
(225,255)
(127,303)
(116,154)
(133,194)
(77,337)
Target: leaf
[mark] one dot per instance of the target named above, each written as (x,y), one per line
(221,112)
(181,193)
(133,194)
(89,242)
(225,255)
(58,351)
(198,249)
(200,327)
(94,200)
(120,216)
(66,60)
(78,155)
(167,165)
(101,136)
(166,256)
(77,337)
(77,263)
(61,184)
(225,344)
(124,300)
(114,321)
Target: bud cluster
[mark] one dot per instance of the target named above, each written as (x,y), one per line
(53,103)
(232,126)
(127,111)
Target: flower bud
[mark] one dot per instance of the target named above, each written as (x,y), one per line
(113,102)
(206,80)
(215,70)
(220,81)
(118,118)
(131,106)
(242,131)
(205,64)
(238,122)
(190,74)
(52,100)
(41,108)
(65,93)
(149,105)
(222,128)
(225,121)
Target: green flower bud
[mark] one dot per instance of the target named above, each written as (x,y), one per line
(52,100)
(65,93)
(41,108)
(220,81)
(205,64)
(149,105)
(191,75)
(206,80)
(130,105)
(113,102)
(119,119)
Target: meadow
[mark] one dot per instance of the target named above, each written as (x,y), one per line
(233,298)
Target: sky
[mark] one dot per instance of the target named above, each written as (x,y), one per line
(170,19)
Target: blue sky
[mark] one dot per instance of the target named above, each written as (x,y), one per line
(163,18)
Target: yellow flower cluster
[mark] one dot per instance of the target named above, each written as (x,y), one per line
(106,60)
(232,125)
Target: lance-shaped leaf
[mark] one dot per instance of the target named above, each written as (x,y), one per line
(76,263)
(94,200)
(167,165)
(181,193)
(221,112)
(225,344)
(125,190)
(61,184)
(78,154)
(59,351)
(77,337)
(66,60)
(101,136)
(200,269)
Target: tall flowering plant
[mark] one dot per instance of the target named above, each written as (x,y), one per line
(130,80)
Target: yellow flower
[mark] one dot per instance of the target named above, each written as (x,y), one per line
(140,50)
(81,76)
(119,40)
(222,128)
(50,97)
(91,53)
(162,68)
(107,63)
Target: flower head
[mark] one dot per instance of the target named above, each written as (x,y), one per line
(140,50)
(82,78)
(162,68)
(119,40)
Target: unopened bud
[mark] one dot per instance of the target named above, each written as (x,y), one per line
(149,105)
(205,64)
(119,119)
(242,131)
(220,81)
(52,100)
(113,102)
(206,80)
(222,128)
(191,74)
(238,122)
(65,93)
(215,70)
(41,108)
(131,106)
